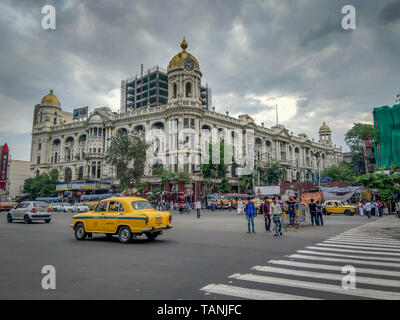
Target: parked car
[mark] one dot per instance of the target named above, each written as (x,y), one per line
(126,217)
(80,207)
(336,206)
(64,207)
(29,211)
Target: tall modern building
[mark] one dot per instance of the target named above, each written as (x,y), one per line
(151,89)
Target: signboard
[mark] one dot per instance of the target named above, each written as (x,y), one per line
(323,179)
(80,113)
(4,166)
(306,197)
(82,185)
(267,190)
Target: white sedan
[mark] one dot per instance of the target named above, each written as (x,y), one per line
(79,207)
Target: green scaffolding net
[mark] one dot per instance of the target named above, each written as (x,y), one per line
(387,136)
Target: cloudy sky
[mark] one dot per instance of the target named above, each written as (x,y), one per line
(253,54)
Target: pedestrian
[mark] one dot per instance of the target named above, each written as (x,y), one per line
(361,208)
(380,208)
(239,207)
(230,205)
(313,211)
(276,212)
(291,209)
(320,221)
(373,208)
(264,209)
(197,205)
(250,211)
(367,208)
(397,208)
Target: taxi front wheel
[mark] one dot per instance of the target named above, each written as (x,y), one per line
(80,232)
(125,234)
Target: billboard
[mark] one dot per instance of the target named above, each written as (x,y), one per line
(267,190)
(4,166)
(80,113)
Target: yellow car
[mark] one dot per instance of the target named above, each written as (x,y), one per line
(336,206)
(126,217)
(257,204)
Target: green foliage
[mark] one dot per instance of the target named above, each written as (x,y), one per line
(275,173)
(388,185)
(224,187)
(141,187)
(341,172)
(171,176)
(124,151)
(355,135)
(210,170)
(44,185)
(353,139)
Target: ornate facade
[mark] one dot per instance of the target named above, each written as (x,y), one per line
(77,148)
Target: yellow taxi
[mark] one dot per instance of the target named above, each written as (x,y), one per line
(257,204)
(126,217)
(336,206)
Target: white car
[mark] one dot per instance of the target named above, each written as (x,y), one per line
(29,211)
(64,207)
(79,207)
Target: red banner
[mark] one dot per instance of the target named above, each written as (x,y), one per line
(4,166)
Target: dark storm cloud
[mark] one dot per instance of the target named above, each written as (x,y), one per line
(253,54)
(390,13)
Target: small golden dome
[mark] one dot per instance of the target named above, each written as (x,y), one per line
(50,98)
(324,127)
(177,60)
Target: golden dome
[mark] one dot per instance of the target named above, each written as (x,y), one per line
(177,60)
(324,127)
(50,98)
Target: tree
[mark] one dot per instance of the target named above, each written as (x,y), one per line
(42,185)
(388,185)
(214,171)
(124,151)
(341,172)
(275,173)
(353,139)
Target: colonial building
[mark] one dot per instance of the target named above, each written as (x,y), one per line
(77,148)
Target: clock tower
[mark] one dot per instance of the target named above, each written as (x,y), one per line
(184,78)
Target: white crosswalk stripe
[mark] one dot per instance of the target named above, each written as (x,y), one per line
(362,244)
(356,247)
(367,293)
(328,276)
(253,294)
(344,260)
(333,267)
(348,255)
(355,251)
(374,254)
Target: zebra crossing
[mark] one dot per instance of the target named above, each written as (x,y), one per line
(316,272)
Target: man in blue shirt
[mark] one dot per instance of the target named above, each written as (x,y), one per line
(250,211)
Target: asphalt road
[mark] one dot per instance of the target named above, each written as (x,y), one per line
(196,254)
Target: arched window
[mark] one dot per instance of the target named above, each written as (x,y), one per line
(56,157)
(175,91)
(95,132)
(68,175)
(188,89)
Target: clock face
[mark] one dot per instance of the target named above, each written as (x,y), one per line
(188,65)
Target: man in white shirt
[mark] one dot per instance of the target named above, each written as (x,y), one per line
(368,208)
(197,206)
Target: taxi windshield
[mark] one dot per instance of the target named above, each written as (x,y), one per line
(138,205)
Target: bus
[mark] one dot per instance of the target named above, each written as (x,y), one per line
(223,199)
